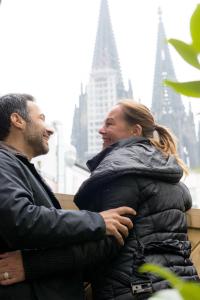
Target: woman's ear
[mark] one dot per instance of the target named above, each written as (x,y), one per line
(137,130)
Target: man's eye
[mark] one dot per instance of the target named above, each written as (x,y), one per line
(42,117)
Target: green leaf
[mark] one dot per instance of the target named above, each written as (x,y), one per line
(162,272)
(187,52)
(195,28)
(188,290)
(191,89)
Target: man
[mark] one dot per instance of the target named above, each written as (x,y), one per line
(30,215)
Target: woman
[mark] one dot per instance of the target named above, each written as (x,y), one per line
(139,167)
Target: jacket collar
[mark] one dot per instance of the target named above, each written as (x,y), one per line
(11,149)
(95,161)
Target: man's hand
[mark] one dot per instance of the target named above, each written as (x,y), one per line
(116,224)
(11,268)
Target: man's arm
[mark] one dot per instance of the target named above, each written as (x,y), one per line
(88,256)
(25,225)
(36,264)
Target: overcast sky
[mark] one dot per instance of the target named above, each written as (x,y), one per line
(47,47)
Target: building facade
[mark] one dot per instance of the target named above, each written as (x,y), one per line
(63,168)
(105,88)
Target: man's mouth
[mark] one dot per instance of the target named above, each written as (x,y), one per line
(46,138)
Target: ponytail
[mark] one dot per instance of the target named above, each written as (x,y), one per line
(167,144)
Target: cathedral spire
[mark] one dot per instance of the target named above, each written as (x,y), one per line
(104,89)
(167,105)
(105,52)
(160,13)
(164,99)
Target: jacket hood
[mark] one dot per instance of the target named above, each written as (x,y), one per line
(131,156)
(136,156)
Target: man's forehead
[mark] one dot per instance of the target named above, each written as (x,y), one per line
(33,107)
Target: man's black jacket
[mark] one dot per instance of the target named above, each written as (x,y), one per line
(31,218)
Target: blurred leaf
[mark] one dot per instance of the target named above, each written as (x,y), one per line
(195,28)
(188,290)
(186,51)
(191,89)
(162,272)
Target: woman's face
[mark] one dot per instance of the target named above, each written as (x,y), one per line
(115,127)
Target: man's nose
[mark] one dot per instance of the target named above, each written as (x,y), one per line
(50,131)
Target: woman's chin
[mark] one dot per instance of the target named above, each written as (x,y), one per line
(105,145)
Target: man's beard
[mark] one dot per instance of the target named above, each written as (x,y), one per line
(35,141)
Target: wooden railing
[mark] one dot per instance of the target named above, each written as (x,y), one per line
(193,218)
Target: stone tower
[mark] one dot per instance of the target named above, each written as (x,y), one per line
(104,89)
(167,105)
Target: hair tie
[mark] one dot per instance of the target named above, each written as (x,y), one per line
(155,126)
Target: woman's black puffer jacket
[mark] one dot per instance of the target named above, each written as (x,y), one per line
(134,173)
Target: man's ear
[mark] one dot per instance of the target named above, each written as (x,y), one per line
(17,120)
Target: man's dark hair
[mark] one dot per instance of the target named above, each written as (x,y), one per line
(9,104)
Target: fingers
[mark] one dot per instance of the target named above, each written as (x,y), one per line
(125,221)
(119,231)
(122,229)
(3,264)
(117,224)
(124,210)
(12,277)
(115,228)
(4,255)
(4,275)
(11,268)
(118,237)
(8,281)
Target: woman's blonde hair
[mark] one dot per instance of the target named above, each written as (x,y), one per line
(159,136)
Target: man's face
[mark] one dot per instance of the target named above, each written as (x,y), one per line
(36,133)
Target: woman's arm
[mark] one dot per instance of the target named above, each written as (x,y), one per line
(122,190)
